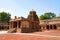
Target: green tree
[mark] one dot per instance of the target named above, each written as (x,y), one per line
(4,16)
(47,15)
(42,17)
(58,16)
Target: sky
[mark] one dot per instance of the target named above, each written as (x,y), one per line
(22,7)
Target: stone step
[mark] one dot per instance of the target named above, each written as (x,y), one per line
(13,30)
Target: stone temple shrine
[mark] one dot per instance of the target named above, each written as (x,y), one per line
(25,25)
(32,24)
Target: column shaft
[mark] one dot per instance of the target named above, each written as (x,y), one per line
(17,24)
(12,24)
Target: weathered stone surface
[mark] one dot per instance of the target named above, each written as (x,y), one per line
(12,30)
(34,19)
(32,16)
(32,24)
(25,25)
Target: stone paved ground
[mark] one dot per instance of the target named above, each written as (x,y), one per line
(2,32)
(45,35)
(49,32)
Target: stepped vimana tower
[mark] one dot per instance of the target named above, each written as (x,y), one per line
(34,19)
(21,24)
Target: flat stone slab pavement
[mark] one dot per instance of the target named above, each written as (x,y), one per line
(44,35)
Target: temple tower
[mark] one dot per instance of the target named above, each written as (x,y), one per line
(32,16)
(34,19)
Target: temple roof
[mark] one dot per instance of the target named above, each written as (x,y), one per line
(19,19)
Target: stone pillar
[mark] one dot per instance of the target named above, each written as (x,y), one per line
(17,24)
(49,27)
(45,27)
(21,24)
(42,28)
(12,24)
(52,26)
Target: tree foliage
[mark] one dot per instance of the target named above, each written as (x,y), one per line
(58,16)
(4,16)
(42,17)
(47,15)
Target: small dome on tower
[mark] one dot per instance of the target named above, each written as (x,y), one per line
(32,12)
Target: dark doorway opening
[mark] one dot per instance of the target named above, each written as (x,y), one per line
(51,27)
(15,25)
(55,27)
(19,23)
(2,27)
(47,27)
(39,27)
(7,27)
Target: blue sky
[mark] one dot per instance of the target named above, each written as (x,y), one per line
(22,7)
